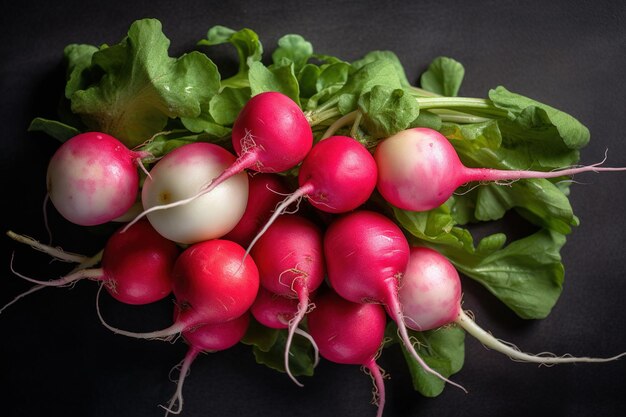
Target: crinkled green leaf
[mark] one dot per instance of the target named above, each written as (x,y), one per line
(526,275)
(78,59)
(142,86)
(443,76)
(225,106)
(378,72)
(292,49)
(54,128)
(307,79)
(331,79)
(443,349)
(427,119)
(386,111)
(554,136)
(301,354)
(274,78)
(389,57)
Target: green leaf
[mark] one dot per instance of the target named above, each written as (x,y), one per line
(163,143)
(292,49)
(301,354)
(78,59)
(443,349)
(259,336)
(142,87)
(386,111)
(427,119)
(225,106)
(539,200)
(526,275)
(557,136)
(54,128)
(390,58)
(443,76)
(379,72)
(331,79)
(274,78)
(246,42)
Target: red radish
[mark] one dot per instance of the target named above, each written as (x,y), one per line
(337,176)
(290,259)
(136,266)
(92,178)
(276,312)
(270,134)
(211,285)
(366,255)
(430,295)
(179,176)
(207,338)
(265,192)
(418,170)
(350,333)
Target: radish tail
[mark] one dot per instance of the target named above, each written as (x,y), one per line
(308,337)
(395,309)
(515,354)
(379,385)
(303,306)
(24,294)
(95,274)
(56,253)
(177,398)
(167,334)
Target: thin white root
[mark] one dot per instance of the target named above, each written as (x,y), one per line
(55,252)
(67,280)
(513,352)
(24,294)
(177,398)
(168,334)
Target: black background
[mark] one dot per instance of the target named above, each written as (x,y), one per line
(56,359)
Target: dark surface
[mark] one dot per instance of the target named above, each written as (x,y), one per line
(56,359)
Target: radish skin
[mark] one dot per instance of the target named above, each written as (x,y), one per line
(350,333)
(366,255)
(136,266)
(337,176)
(177,177)
(418,170)
(290,260)
(92,178)
(431,297)
(211,285)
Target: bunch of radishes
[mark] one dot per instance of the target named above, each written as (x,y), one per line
(224,235)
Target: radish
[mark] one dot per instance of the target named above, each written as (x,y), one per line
(207,338)
(270,134)
(418,170)
(92,178)
(366,255)
(211,285)
(350,333)
(179,175)
(265,192)
(290,259)
(430,295)
(277,312)
(136,266)
(337,176)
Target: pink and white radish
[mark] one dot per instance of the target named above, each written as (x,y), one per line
(208,338)
(366,256)
(338,175)
(270,134)
(277,312)
(92,178)
(136,266)
(350,333)
(265,192)
(290,258)
(180,175)
(430,296)
(418,170)
(211,285)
